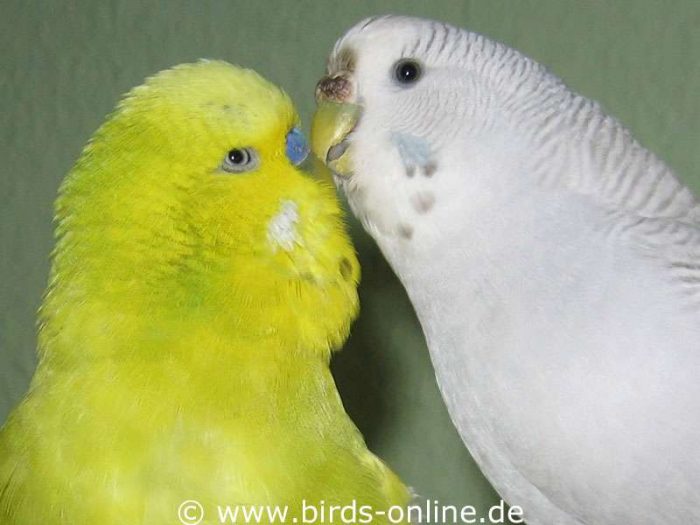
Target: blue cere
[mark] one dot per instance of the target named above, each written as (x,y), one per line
(297,146)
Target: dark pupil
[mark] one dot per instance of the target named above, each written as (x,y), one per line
(407,72)
(236,156)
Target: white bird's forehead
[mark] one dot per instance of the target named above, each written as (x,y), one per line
(397,36)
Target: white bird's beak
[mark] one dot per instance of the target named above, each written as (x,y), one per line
(335,118)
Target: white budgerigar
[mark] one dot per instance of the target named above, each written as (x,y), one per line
(554,264)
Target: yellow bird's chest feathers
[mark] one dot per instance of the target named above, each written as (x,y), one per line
(141,437)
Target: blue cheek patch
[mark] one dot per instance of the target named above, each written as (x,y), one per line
(297,148)
(414,151)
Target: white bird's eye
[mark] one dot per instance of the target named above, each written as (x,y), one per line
(239,160)
(407,71)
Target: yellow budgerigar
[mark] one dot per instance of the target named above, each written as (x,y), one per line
(200,282)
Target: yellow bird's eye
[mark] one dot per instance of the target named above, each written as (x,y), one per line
(240,160)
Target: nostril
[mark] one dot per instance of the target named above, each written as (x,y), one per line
(336,88)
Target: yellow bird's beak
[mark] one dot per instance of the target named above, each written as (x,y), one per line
(335,118)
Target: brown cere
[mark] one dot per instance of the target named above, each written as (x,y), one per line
(429,169)
(410,171)
(405,231)
(336,88)
(423,201)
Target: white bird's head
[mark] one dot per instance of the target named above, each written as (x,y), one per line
(423,122)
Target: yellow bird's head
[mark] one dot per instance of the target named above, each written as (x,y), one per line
(187,208)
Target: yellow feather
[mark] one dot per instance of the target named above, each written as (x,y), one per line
(184,340)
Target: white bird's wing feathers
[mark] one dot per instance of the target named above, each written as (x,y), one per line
(640,193)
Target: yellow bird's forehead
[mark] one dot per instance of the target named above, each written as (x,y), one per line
(218,98)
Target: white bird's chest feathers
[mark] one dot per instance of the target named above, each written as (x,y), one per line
(553,338)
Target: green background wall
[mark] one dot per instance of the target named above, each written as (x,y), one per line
(65,63)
